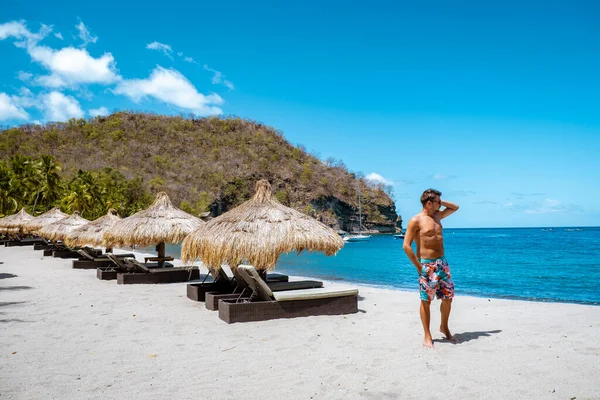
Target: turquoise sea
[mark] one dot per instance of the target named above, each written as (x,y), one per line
(541,264)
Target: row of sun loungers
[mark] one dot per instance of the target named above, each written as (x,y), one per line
(22,242)
(242,297)
(265,304)
(123,268)
(255,299)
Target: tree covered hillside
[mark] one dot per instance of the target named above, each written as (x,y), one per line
(206,164)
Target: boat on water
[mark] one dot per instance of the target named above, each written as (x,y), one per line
(399,236)
(357,237)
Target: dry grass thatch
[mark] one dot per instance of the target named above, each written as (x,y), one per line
(60,229)
(46,218)
(13,223)
(91,234)
(258,232)
(160,223)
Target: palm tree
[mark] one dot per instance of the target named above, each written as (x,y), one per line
(49,185)
(22,181)
(8,202)
(83,194)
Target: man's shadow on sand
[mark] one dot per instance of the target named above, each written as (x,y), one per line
(468,336)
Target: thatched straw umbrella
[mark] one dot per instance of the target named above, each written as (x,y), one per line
(42,220)
(14,223)
(91,234)
(258,231)
(60,229)
(158,224)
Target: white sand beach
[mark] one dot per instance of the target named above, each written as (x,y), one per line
(64,334)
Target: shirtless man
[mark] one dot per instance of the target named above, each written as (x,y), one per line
(425,229)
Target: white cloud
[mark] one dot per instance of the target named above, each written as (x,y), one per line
(95,112)
(58,35)
(441,176)
(378,178)
(70,67)
(11,109)
(85,35)
(406,182)
(18,30)
(26,98)
(58,107)
(165,48)
(188,59)
(24,76)
(546,206)
(218,78)
(228,84)
(551,206)
(171,87)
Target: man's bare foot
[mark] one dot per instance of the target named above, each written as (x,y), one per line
(428,342)
(448,335)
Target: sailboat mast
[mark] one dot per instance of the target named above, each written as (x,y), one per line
(359,211)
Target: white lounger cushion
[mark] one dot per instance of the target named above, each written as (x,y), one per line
(308,294)
(257,285)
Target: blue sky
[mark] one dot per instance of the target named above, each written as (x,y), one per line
(494,103)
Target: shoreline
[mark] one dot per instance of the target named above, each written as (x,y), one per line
(67,335)
(289,271)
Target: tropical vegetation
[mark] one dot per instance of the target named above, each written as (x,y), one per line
(37,185)
(204,164)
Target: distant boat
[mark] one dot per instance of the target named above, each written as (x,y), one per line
(360,237)
(356,238)
(399,236)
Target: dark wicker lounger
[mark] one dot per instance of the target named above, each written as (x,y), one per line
(265,304)
(23,242)
(60,249)
(118,266)
(89,261)
(243,290)
(223,284)
(141,273)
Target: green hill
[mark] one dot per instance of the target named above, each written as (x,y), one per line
(206,164)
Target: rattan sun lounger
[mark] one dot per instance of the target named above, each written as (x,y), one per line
(141,273)
(61,250)
(111,272)
(223,284)
(243,290)
(265,304)
(43,244)
(89,261)
(24,242)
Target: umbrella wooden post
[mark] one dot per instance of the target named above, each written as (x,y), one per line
(161,254)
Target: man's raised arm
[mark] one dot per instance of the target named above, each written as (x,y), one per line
(450,208)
